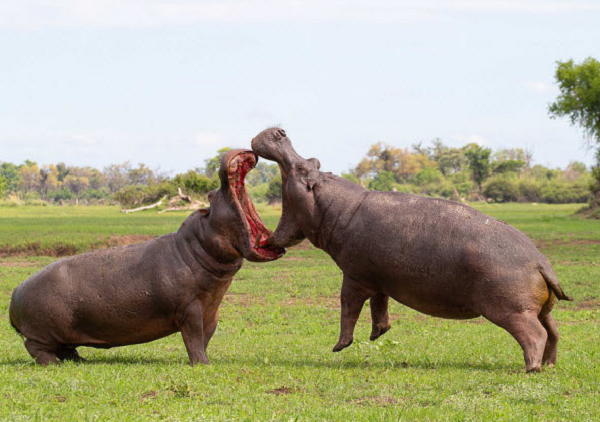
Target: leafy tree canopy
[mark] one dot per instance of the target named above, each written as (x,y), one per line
(579,100)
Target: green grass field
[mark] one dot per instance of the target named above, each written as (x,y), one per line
(271,355)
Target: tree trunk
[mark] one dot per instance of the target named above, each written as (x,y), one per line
(596,199)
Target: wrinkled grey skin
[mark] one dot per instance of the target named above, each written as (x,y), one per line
(139,293)
(438,257)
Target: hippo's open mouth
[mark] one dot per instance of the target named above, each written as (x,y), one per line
(258,233)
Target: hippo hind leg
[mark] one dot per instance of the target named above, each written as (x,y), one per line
(69,353)
(550,350)
(353,298)
(531,335)
(43,354)
(379,315)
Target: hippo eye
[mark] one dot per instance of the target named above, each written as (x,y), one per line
(300,167)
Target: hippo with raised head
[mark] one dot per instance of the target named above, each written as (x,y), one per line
(438,257)
(139,293)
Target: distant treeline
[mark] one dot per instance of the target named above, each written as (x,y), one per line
(472,172)
(128,185)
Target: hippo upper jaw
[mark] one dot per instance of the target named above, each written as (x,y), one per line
(297,176)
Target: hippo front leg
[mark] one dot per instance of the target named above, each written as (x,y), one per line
(379,315)
(192,331)
(353,299)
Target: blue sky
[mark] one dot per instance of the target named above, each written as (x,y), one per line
(167,83)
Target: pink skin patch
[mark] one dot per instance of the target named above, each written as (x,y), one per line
(257,231)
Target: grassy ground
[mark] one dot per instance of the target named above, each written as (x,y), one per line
(271,355)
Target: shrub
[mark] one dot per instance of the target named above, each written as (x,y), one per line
(428,175)
(96,194)
(62,194)
(130,196)
(556,192)
(193,182)
(406,188)
(529,190)
(501,189)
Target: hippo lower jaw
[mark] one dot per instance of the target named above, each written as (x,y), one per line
(257,248)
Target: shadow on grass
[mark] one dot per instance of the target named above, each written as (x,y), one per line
(282,362)
(109,360)
(353,364)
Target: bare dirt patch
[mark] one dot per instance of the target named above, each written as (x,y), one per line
(281,391)
(588,304)
(553,243)
(36,249)
(149,395)
(18,264)
(65,249)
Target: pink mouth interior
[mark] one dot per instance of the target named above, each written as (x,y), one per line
(239,166)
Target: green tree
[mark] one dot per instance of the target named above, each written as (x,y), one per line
(479,163)
(383,182)
(11,173)
(351,177)
(273,194)
(579,99)
(116,176)
(30,179)
(399,161)
(449,160)
(262,173)
(3,186)
(141,175)
(212,165)
(63,171)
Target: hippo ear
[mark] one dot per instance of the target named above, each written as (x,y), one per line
(316,162)
(204,211)
(211,195)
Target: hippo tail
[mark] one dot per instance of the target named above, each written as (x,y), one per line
(15,328)
(552,282)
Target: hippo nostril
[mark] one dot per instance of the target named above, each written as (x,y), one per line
(281,133)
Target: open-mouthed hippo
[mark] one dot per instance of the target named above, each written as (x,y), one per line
(139,293)
(438,257)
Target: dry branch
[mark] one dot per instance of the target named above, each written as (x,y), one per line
(147,207)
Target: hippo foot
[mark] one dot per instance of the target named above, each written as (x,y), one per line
(378,331)
(69,354)
(199,359)
(342,344)
(533,370)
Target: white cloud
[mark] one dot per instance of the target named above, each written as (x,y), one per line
(469,139)
(153,13)
(539,87)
